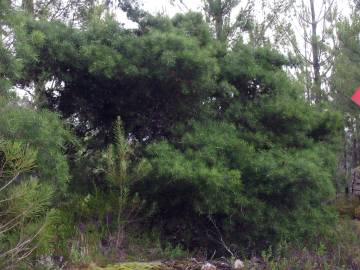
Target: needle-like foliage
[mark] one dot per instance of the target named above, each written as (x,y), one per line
(23,204)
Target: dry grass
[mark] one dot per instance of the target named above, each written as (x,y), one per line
(348,206)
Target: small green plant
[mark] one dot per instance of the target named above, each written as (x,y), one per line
(338,251)
(121,172)
(267,256)
(321,250)
(174,252)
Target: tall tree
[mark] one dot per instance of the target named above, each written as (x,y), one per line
(312,39)
(28,6)
(226,17)
(133,10)
(152,81)
(69,11)
(250,20)
(344,80)
(315,54)
(9,68)
(265,152)
(270,157)
(218,12)
(268,17)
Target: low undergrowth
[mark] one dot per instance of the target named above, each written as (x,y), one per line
(341,250)
(88,244)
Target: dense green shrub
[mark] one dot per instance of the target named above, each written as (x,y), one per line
(24,204)
(264,168)
(103,71)
(234,149)
(268,195)
(43,131)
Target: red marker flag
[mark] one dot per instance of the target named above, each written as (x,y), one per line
(356,96)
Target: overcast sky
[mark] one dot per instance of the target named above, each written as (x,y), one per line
(164,5)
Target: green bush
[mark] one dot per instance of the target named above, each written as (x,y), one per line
(264,168)
(43,131)
(24,204)
(339,251)
(268,195)
(235,157)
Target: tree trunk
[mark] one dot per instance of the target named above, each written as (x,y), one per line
(315,55)
(28,6)
(219,26)
(307,75)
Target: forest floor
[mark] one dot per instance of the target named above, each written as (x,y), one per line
(300,258)
(188,264)
(344,253)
